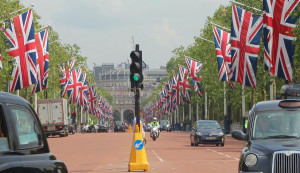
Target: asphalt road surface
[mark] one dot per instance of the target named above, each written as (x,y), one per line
(171,152)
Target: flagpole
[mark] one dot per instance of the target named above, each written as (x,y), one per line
(197,118)
(246,6)
(220,26)
(45,27)
(31,6)
(243,100)
(205,105)
(35,102)
(205,40)
(190,113)
(225,105)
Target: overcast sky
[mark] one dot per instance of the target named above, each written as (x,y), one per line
(104,28)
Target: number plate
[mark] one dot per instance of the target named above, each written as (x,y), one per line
(51,128)
(210,138)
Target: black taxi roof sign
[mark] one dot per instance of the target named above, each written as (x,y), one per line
(290,104)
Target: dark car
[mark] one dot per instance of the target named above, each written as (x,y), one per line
(207,132)
(119,126)
(102,128)
(272,138)
(23,144)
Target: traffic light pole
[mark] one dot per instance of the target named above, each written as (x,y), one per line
(137,106)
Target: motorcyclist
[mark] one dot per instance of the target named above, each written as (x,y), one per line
(154,122)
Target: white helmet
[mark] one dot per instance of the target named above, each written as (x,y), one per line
(154,119)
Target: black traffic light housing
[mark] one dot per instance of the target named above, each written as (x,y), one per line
(136,68)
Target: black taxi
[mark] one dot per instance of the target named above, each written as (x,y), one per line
(272,138)
(23,144)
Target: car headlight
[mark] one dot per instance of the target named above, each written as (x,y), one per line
(199,133)
(221,134)
(251,160)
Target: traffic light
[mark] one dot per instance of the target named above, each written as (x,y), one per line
(136,72)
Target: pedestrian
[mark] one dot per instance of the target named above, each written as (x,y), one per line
(141,126)
(181,126)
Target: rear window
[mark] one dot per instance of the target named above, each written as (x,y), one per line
(27,128)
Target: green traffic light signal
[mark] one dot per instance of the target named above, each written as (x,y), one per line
(135,77)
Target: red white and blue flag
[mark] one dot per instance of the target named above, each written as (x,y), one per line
(195,68)
(82,98)
(184,84)
(42,63)
(245,39)
(92,99)
(65,77)
(223,48)
(20,36)
(74,85)
(278,36)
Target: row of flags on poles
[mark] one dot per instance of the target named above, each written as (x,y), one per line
(73,82)
(177,90)
(237,53)
(30,51)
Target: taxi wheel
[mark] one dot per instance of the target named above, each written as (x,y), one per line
(217,145)
(222,145)
(196,144)
(192,144)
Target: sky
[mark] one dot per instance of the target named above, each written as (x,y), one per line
(106,30)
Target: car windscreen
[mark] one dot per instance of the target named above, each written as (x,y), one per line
(208,125)
(277,124)
(164,122)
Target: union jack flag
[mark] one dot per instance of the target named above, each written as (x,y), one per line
(278,37)
(65,77)
(82,98)
(184,84)
(20,35)
(223,48)
(92,99)
(74,85)
(197,87)
(245,39)
(194,68)
(42,64)
(186,90)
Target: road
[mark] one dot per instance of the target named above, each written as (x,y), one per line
(172,152)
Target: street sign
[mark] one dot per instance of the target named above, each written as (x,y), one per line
(138,144)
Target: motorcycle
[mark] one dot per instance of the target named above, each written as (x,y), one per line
(154,133)
(168,127)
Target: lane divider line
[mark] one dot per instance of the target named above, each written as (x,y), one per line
(159,158)
(222,154)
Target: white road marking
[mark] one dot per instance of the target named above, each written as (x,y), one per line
(160,159)
(222,154)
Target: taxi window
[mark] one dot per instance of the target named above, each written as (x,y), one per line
(276,124)
(27,128)
(3,133)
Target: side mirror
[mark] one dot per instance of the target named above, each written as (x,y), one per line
(239,135)
(193,129)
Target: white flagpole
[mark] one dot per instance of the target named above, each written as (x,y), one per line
(35,102)
(220,26)
(243,100)
(246,6)
(197,111)
(205,105)
(21,9)
(206,40)
(225,111)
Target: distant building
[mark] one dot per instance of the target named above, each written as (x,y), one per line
(116,81)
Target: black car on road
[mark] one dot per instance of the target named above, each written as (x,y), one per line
(102,128)
(23,144)
(272,138)
(207,132)
(119,126)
